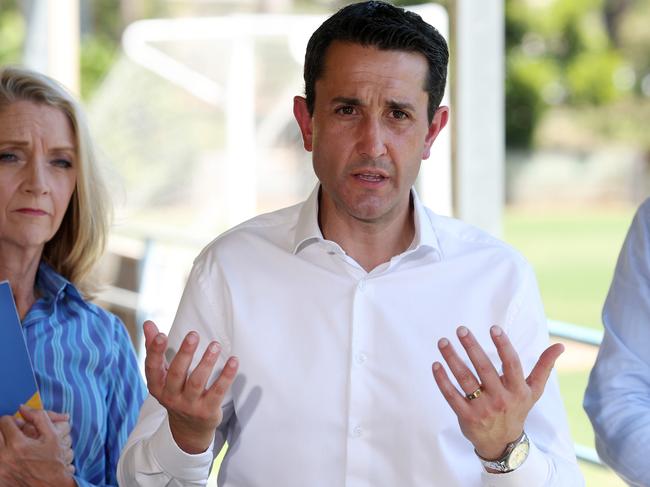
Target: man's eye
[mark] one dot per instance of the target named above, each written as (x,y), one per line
(399,115)
(347,110)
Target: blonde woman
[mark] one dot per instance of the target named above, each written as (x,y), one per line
(54,217)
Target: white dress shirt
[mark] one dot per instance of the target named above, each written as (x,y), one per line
(618,395)
(335,385)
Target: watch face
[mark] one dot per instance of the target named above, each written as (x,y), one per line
(518,455)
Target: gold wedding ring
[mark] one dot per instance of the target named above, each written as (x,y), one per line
(473,395)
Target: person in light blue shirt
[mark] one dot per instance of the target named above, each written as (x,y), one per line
(53,225)
(617,399)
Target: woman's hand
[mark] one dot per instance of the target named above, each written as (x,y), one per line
(33,462)
(62,427)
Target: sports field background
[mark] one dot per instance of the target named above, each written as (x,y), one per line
(573,252)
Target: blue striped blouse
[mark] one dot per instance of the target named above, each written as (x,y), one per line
(85,366)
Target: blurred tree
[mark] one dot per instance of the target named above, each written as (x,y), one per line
(523,93)
(614,11)
(560,52)
(102,24)
(97,56)
(633,39)
(590,77)
(101,29)
(527,81)
(12,32)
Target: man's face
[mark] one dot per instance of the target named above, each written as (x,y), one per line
(369,131)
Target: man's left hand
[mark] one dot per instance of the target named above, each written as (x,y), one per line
(492,408)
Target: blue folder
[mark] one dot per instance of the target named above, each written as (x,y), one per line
(17,382)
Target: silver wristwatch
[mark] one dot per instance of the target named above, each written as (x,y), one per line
(513,457)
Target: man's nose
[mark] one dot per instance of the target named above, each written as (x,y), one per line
(371,139)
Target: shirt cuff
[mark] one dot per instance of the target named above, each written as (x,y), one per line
(533,472)
(174,461)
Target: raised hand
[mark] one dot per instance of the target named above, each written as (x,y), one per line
(40,461)
(194,411)
(492,408)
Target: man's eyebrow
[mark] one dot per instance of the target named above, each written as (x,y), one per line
(392,104)
(347,100)
(400,105)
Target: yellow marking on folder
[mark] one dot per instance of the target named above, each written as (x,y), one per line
(34,403)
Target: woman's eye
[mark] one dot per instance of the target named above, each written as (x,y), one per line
(8,157)
(64,163)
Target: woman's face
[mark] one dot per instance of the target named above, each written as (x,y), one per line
(38,173)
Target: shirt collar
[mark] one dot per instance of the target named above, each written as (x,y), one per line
(51,284)
(308,231)
(425,232)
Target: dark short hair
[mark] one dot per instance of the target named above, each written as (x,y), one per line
(386,27)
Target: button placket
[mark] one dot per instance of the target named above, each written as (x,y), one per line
(356,432)
(360,399)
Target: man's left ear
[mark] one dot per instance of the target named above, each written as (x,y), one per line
(440,119)
(304,119)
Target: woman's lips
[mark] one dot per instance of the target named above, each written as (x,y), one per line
(32,211)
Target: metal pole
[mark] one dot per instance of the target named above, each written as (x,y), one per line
(478,127)
(52,43)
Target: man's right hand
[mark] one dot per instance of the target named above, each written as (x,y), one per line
(194,411)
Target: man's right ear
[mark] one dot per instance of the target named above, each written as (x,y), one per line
(304,119)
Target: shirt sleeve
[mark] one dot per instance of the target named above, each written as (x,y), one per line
(151,457)
(551,460)
(617,399)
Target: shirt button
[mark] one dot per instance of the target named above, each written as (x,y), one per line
(361,358)
(357,431)
(362,284)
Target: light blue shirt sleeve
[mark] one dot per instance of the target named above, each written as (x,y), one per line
(617,399)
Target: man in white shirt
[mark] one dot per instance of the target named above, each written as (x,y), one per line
(330,311)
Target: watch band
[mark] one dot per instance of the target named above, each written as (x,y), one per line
(513,457)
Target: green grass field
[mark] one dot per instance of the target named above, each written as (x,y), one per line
(574,253)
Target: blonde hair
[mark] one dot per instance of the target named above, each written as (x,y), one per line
(80,240)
